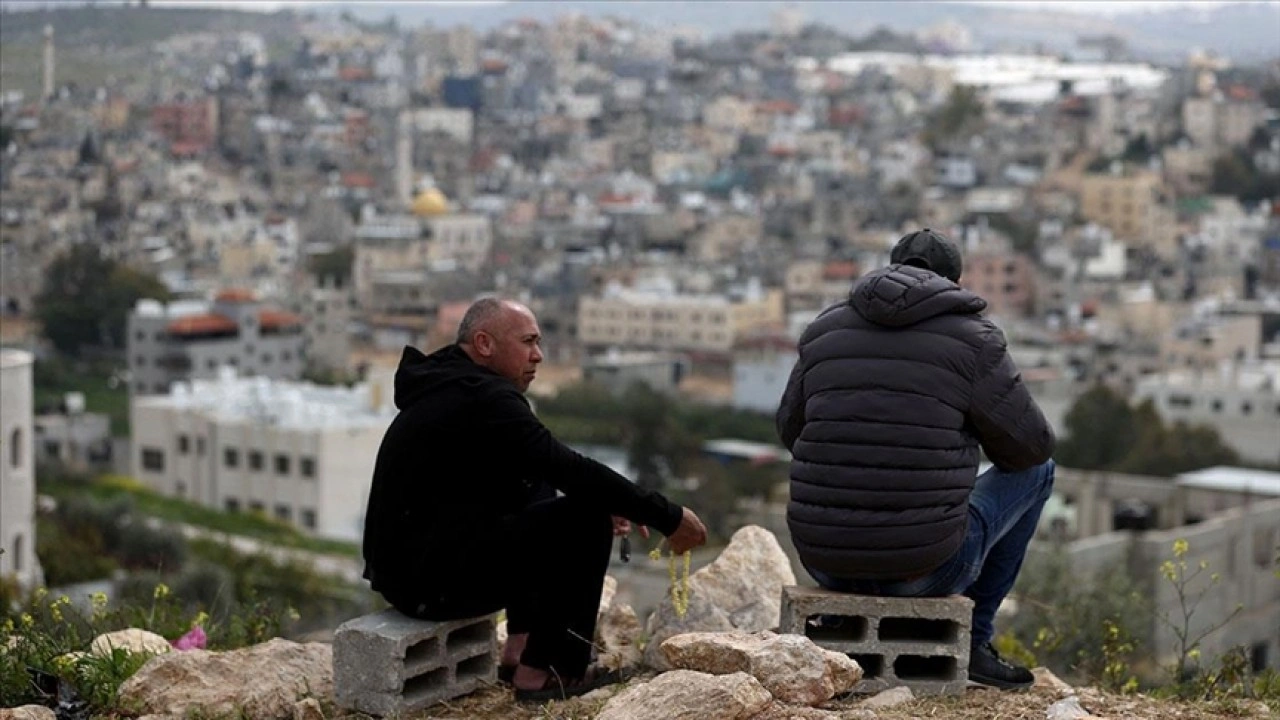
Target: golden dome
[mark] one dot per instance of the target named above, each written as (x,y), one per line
(430,203)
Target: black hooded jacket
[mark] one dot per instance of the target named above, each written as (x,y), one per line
(884,411)
(465,453)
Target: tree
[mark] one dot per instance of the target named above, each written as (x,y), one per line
(1100,430)
(1105,433)
(962,114)
(86,300)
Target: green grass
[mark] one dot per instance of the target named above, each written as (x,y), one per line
(251,525)
(54,378)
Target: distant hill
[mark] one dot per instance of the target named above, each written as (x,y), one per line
(1244,32)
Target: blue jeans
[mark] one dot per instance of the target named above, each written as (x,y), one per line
(1004,510)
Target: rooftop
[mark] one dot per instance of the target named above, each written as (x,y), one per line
(1233,479)
(278,403)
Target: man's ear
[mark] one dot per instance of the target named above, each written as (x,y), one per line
(483,343)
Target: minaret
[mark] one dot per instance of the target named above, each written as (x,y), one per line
(404,157)
(48,62)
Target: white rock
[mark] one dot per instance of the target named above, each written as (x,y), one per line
(618,634)
(27,712)
(892,697)
(1046,679)
(607,593)
(263,681)
(791,667)
(131,639)
(740,590)
(689,695)
(308,709)
(1066,709)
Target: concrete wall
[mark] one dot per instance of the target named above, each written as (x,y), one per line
(17,469)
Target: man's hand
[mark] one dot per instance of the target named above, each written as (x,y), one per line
(689,535)
(622,526)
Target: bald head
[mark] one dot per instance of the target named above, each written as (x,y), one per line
(502,335)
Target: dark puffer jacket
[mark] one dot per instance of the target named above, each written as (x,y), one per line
(884,412)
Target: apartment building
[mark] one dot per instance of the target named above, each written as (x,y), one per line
(641,319)
(326,342)
(1241,402)
(298,452)
(1007,281)
(17,470)
(618,371)
(1127,204)
(1212,342)
(192,339)
(189,127)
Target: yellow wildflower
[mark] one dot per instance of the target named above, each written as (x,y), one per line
(162,591)
(1180,547)
(27,621)
(200,619)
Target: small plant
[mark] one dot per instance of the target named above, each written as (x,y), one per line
(1183,579)
(1117,648)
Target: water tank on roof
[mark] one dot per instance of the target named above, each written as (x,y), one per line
(1133,514)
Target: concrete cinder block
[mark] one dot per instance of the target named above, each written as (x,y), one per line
(389,663)
(920,643)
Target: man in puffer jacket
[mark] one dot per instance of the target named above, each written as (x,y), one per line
(893,394)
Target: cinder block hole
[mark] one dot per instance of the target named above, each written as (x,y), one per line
(417,687)
(477,632)
(872,665)
(924,667)
(474,667)
(918,630)
(424,651)
(836,628)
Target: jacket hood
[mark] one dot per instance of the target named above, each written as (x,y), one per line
(903,295)
(418,374)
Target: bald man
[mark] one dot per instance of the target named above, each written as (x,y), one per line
(464,518)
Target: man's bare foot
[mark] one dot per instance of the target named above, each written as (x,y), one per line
(514,648)
(530,678)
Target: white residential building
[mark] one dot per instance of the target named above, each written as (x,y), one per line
(1242,403)
(759,380)
(648,319)
(17,470)
(298,452)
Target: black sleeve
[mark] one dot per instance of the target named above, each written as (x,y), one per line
(516,430)
(790,417)
(1014,433)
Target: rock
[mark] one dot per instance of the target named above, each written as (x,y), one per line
(791,667)
(740,590)
(500,633)
(608,592)
(131,639)
(261,682)
(308,709)
(1066,709)
(689,695)
(1047,680)
(892,697)
(28,712)
(618,637)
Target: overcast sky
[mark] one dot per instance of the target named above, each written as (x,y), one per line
(1095,7)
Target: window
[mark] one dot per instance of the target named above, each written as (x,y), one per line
(17,552)
(256,506)
(307,467)
(231,504)
(231,457)
(1180,401)
(1246,408)
(255,459)
(211,363)
(200,445)
(266,358)
(140,361)
(184,444)
(282,464)
(153,459)
(15,448)
(284,512)
(308,518)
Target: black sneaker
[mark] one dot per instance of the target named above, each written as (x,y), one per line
(986,667)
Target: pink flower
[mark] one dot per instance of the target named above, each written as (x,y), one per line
(195,639)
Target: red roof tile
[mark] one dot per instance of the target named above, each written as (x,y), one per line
(201,325)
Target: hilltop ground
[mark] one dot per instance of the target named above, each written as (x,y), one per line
(976,704)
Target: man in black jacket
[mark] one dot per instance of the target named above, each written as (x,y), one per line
(893,394)
(463,517)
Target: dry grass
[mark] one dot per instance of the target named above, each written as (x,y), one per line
(496,703)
